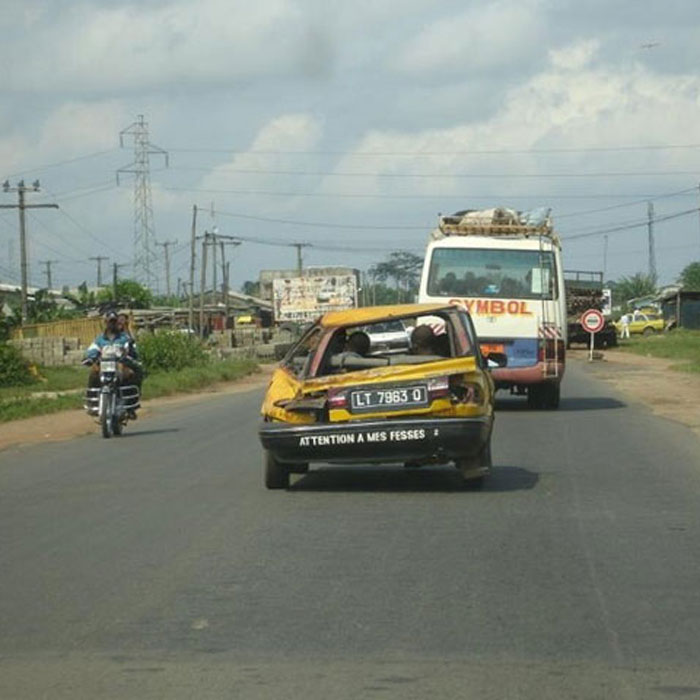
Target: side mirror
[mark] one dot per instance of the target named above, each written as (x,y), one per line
(496,359)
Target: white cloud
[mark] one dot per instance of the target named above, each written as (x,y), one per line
(567,105)
(574,56)
(287,132)
(118,48)
(482,38)
(72,129)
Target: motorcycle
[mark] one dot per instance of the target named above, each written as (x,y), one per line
(113,402)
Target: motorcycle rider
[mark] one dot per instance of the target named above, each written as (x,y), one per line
(114,334)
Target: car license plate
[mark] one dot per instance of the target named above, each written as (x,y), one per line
(388,399)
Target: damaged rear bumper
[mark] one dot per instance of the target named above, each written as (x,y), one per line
(377,441)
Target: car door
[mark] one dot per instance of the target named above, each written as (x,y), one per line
(287,379)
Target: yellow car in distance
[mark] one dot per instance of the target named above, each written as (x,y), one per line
(645,324)
(335,398)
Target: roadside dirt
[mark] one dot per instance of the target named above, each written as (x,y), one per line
(69,424)
(649,380)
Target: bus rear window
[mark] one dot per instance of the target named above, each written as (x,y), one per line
(488,272)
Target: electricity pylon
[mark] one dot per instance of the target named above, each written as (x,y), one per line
(144,229)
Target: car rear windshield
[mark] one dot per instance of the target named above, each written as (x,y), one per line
(425,339)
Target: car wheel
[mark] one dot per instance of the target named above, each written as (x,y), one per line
(474,469)
(649,331)
(276,473)
(299,468)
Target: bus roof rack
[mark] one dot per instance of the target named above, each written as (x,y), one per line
(497,222)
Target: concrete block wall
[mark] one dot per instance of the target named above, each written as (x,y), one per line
(50,352)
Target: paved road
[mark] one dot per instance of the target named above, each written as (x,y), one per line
(157,566)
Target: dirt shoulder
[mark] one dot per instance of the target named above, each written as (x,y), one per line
(651,381)
(70,424)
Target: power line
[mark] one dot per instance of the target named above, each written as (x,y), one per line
(60,163)
(641,223)
(442,175)
(281,243)
(87,231)
(63,241)
(323,224)
(413,154)
(688,190)
(438,197)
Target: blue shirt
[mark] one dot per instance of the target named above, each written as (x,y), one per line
(102,341)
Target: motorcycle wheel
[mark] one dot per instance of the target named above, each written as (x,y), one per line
(117,426)
(106,422)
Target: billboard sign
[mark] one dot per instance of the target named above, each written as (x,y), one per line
(303,299)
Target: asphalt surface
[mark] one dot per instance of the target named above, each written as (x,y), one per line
(157,566)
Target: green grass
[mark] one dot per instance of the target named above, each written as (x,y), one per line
(194,379)
(682,345)
(17,402)
(52,379)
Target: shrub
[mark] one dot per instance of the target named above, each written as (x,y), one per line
(14,369)
(171,351)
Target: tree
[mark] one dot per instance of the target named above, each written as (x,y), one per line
(403,267)
(690,277)
(638,285)
(129,293)
(251,288)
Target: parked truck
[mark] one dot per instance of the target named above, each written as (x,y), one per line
(584,290)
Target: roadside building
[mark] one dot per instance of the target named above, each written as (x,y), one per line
(680,308)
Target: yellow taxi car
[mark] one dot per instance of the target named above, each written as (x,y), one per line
(644,323)
(335,398)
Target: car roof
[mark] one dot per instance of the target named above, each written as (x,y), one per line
(371,314)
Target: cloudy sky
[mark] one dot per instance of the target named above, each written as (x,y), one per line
(350,125)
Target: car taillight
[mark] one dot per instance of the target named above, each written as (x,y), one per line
(465,392)
(337,399)
(438,387)
(548,350)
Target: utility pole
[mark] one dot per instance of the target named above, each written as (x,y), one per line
(193,246)
(115,275)
(699,207)
(203,283)
(227,272)
(225,269)
(652,252)
(213,266)
(21,189)
(605,257)
(47,271)
(144,229)
(166,247)
(299,246)
(99,259)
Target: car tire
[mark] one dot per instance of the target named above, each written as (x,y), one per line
(298,468)
(649,331)
(276,473)
(476,468)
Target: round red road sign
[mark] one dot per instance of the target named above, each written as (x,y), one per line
(592,321)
